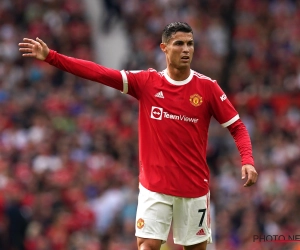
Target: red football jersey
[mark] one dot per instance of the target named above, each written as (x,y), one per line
(174,117)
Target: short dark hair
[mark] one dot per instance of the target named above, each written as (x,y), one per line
(172,28)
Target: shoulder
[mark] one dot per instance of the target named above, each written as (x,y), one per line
(206,82)
(149,72)
(155,73)
(203,78)
(142,77)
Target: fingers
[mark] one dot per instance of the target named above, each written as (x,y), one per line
(29,54)
(252,175)
(29,47)
(30,41)
(250,181)
(34,48)
(26,49)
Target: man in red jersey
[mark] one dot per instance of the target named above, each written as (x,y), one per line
(175,107)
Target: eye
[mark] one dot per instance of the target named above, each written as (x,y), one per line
(179,43)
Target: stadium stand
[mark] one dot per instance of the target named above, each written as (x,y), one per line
(68,154)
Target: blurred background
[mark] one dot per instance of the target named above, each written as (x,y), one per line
(69,149)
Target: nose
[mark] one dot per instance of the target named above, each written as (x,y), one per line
(185,48)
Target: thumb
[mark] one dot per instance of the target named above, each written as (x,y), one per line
(41,42)
(243,173)
(44,49)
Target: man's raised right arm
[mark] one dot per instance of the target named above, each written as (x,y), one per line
(82,68)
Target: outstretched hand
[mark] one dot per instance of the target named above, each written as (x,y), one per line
(250,171)
(34,48)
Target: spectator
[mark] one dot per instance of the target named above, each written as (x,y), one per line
(258,62)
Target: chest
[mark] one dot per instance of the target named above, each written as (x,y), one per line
(190,100)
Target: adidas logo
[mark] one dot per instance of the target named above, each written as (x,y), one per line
(159,94)
(201,232)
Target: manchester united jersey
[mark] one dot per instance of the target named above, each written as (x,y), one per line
(173,125)
(174,117)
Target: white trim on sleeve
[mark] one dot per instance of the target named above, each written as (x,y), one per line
(125,82)
(232,120)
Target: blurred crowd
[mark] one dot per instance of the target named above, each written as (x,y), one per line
(69,154)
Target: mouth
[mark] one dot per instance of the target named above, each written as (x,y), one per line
(185,58)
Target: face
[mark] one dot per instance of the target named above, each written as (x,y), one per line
(179,50)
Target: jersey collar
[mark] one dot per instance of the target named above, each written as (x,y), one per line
(187,80)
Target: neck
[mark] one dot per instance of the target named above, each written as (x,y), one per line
(178,74)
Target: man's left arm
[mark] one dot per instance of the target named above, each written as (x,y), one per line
(242,140)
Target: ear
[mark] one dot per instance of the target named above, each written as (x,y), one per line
(163,47)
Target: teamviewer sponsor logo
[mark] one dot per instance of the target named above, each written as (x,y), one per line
(156,113)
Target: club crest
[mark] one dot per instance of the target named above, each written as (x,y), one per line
(196,100)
